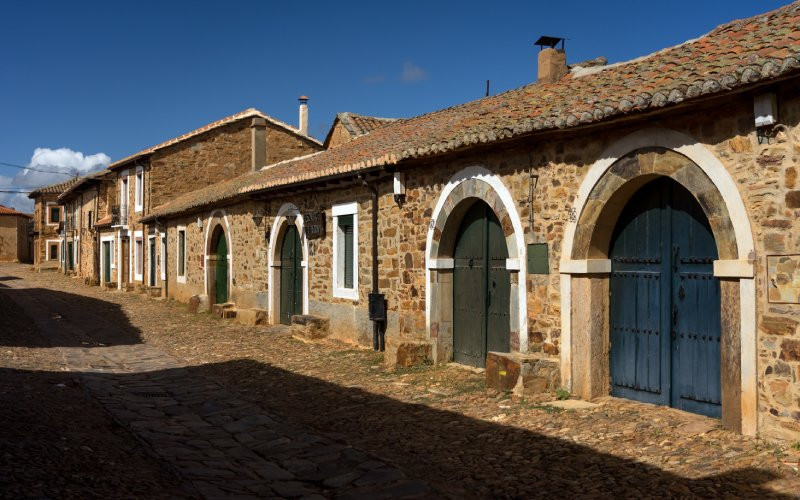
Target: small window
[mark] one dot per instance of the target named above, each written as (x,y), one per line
(89,220)
(181,253)
(138,191)
(163,257)
(138,255)
(345,251)
(55,214)
(53,251)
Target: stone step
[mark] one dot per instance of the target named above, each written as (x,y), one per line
(252,317)
(218,310)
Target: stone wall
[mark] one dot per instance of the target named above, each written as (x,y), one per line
(13,238)
(43,231)
(543,175)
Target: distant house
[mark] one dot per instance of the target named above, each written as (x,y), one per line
(15,241)
(48,216)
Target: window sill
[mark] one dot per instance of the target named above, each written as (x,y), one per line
(345,293)
(181,280)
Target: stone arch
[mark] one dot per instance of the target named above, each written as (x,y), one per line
(217,220)
(461,191)
(625,167)
(279,225)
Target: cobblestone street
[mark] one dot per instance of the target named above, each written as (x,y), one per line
(109,394)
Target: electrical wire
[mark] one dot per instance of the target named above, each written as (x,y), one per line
(73,172)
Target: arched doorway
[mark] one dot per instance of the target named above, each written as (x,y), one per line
(218,266)
(664,313)
(291,291)
(481,287)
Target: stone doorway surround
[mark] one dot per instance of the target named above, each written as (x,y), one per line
(216,218)
(279,226)
(621,170)
(463,189)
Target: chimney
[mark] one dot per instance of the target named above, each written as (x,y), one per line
(552,61)
(303,126)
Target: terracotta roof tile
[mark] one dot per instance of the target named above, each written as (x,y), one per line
(80,181)
(732,56)
(4,210)
(53,188)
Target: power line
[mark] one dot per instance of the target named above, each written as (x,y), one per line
(14,192)
(71,174)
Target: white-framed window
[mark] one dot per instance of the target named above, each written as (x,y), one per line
(138,191)
(345,251)
(53,247)
(163,257)
(53,213)
(113,256)
(138,255)
(180,254)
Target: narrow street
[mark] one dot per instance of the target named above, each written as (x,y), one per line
(106,394)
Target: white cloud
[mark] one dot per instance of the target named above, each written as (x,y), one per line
(54,160)
(413,73)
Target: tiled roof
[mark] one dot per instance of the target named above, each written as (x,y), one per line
(53,188)
(733,56)
(82,181)
(4,210)
(247,113)
(357,125)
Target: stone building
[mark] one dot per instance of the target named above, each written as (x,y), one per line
(631,229)
(16,244)
(203,157)
(48,216)
(347,126)
(87,212)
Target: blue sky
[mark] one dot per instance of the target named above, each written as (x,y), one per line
(112,78)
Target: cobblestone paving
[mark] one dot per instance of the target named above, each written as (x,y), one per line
(223,445)
(437,424)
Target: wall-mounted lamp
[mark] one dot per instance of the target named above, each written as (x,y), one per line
(258,216)
(399,187)
(199,223)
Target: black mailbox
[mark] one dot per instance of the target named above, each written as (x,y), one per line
(377,307)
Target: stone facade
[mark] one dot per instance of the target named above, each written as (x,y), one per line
(535,184)
(15,245)
(45,232)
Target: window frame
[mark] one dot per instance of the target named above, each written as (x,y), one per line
(339,290)
(163,257)
(137,257)
(112,240)
(49,206)
(48,244)
(138,189)
(180,254)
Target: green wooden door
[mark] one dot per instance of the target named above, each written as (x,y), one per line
(152,262)
(106,261)
(221,276)
(481,288)
(70,256)
(291,275)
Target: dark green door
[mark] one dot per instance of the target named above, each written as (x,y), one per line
(221,275)
(152,262)
(70,256)
(106,261)
(481,288)
(665,302)
(291,275)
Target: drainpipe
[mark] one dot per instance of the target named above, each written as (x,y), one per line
(377,307)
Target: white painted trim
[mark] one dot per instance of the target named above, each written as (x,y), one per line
(719,175)
(138,190)
(178,277)
(586,266)
(103,240)
(162,241)
(227,229)
(512,265)
(286,210)
(495,182)
(136,257)
(441,263)
(151,260)
(338,210)
(734,268)
(47,213)
(47,249)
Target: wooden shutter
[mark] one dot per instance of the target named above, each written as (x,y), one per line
(346,225)
(181,253)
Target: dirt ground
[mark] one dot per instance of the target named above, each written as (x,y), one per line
(440,424)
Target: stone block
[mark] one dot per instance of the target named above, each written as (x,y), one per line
(310,327)
(154,291)
(218,310)
(404,353)
(524,374)
(252,317)
(198,303)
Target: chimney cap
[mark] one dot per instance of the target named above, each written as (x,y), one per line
(302,98)
(549,41)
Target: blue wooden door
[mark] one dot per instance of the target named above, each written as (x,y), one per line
(481,287)
(665,302)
